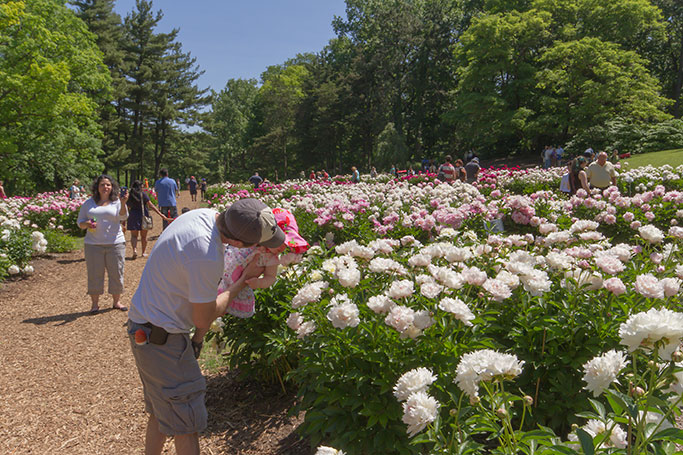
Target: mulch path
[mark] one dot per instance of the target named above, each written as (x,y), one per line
(68,382)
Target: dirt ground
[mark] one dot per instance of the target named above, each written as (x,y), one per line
(68,382)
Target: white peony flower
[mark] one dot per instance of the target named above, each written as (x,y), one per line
(485,365)
(380,304)
(559,261)
(458,308)
(430,290)
(536,282)
(649,286)
(420,260)
(423,320)
(28,270)
(617,437)
(609,264)
(510,280)
(416,380)
(473,276)
(584,225)
(348,277)
(400,318)
(13,269)
(418,411)
(294,321)
(305,329)
(384,265)
(344,315)
(671,286)
(400,289)
(498,289)
(324,450)
(603,370)
(651,233)
(309,293)
(647,328)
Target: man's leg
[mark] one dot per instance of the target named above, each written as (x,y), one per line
(187,444)
(154,439)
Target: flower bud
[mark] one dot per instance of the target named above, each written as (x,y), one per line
(474,401)
(453,412)
(528,401)
(574,427)
(677,356)
(501,413)
(651,364)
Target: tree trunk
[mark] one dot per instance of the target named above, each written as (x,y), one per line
(679,83)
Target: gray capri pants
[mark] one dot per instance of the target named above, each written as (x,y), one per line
(101,257)
(172,383)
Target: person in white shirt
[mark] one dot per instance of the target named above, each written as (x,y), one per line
(105,243)
(177,291)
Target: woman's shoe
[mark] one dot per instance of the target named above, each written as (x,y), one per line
(120,307)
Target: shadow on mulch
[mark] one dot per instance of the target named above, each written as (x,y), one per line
(65,317)
(70,261)
(251,417)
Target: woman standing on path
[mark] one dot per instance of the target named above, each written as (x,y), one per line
(105,244)
(138,200)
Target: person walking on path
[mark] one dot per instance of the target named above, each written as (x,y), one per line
(192,186)
(202,188)
(355,175)
(472,170)
(137,201)
(447,171)
(166,189)
(177,291)
(105,243)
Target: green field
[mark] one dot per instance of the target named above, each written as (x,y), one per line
(671,157)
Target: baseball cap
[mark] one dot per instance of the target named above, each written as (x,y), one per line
(252,222)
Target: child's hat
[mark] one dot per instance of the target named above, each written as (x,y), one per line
(286,221)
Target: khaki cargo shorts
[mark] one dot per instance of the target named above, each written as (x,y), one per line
(172,382)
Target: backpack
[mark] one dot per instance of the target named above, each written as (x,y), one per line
(440,175)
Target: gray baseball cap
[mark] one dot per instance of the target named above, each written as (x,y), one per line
(252,222)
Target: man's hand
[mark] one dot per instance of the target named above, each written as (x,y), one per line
(252,270)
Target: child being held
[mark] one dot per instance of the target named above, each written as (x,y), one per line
(237,259)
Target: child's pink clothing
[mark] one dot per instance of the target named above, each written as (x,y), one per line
(236,260)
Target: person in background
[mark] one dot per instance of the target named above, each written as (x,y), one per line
(202,188)
(601,173)
(614,159)
(311,176)
(326,176)
(137,201)
(105,243)
(256,180)
(559,151)
(432,167)
(553,156)
(192,186)
(472,170)
(447,170)
(166,190)
(589,154)
(577,175)
(392,171)
(373,172)
(3,195)
(177,291)
(75,190)
(460,173)
(355,175)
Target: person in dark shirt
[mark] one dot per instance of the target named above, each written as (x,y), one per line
(472,169)
(192,186)
(255,180)
(202,188)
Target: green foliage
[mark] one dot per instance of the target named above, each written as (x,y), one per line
(18,247)
(51,73)
(391,147)
(666,135)
(60,242)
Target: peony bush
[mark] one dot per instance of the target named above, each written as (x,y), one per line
(418,325)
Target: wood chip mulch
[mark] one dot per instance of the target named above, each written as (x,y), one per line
(68,382)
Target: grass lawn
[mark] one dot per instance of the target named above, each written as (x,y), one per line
(671,157)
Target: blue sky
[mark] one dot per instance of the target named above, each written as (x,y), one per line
(240,38)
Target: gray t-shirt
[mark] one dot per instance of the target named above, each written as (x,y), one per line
(184,267)
(472,169)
